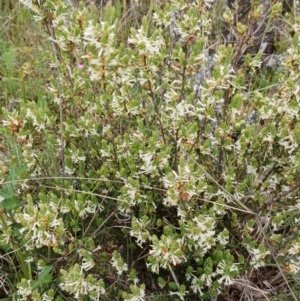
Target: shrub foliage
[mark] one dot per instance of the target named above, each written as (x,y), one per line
(160,159)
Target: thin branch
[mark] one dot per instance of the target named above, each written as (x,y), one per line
(59,92)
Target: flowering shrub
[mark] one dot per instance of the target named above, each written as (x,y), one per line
(157,157)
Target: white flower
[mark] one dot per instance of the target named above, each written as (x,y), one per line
(179,294)
(87,264)
(295,249)
(224,270)
(226,280)
(24,289)
(145,45)
(197,285)
(140,231)
(118,263)
(45,297)
(258,256)
(147,158)
(294,266)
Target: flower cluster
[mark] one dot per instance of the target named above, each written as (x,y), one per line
(75,282)
(41,225)
(118,263)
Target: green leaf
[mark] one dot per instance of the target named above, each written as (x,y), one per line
(10,201)
(44,278)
